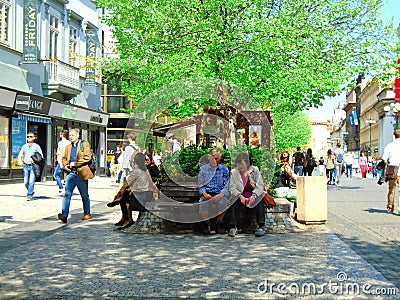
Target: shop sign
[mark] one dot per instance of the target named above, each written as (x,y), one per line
(22,102)
(30,47)
(75,113)
(96,119)
(36,104)
(91,49)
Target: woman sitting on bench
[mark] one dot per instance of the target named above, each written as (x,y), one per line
(135,192)
(247,187)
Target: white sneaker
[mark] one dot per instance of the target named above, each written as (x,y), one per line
(232,231)
(61,192)
(260,232)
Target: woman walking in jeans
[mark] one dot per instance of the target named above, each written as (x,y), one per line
(330,166)
(363,162)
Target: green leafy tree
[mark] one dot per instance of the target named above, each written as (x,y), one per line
(297,50)
(291,130)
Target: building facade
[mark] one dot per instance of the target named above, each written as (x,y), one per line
(369,118)
(49,77)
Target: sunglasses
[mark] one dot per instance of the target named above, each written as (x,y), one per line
(30,136)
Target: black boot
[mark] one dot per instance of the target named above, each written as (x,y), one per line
(126,225)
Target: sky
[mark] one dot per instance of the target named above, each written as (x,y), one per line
(390,9)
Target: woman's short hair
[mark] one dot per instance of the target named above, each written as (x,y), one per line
(243,156)
(140,161)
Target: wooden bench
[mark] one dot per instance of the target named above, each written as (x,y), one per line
(187,193)
(157,219)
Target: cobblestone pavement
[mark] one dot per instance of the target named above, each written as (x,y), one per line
(92,260)
(357,214)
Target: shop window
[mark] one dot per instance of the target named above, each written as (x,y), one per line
(73,46)
(54,33)
(4,143)
(18,139)
(117,104)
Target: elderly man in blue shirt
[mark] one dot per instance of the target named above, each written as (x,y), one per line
(213,184)
(25,159)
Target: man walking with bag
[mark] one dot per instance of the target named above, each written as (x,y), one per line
(75,162)
(391,156)
(25,159)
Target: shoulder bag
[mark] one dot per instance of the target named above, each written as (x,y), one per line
(268,200)
(391,172)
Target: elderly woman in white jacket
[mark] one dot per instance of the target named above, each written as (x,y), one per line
(247,187)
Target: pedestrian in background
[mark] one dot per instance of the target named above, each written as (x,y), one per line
(363,163)
(286,174)
(299,162)
(349,160)
(310,163)
(391,156)
(75,162)
(62,143)
(157,159)
(176,146)
(116,166)
(321,166)
(25,159)
(374,171)
(330,166)
(129,153)
(151,166)
(339,154)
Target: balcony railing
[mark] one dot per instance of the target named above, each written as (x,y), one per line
(60,73)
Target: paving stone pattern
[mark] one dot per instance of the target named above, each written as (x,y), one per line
(93,260)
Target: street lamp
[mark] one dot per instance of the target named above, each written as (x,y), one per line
(370,122)
(395,109)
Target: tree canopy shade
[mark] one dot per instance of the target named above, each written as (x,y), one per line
(291,130)
(292,51)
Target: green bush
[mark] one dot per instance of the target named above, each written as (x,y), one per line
(187,162)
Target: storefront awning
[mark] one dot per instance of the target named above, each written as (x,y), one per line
(34,118)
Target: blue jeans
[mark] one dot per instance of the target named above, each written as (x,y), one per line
(119,176)
(71,182)
(56,175)
(349,170)
(29,179)
(298,170)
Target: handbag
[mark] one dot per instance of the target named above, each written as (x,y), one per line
(268,200)
(391,172)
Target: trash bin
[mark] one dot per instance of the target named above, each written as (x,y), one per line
(312,199)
